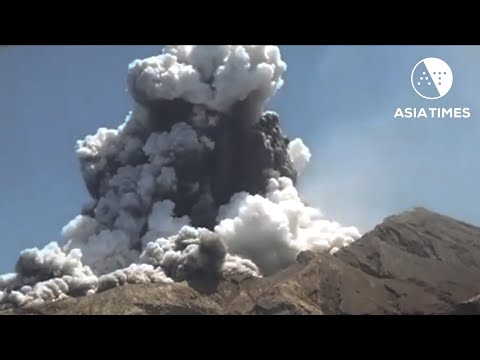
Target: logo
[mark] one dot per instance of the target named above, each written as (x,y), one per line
(432,78)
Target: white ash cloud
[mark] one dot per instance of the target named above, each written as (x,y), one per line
(133,274)
(47,274)
(272,230)
(216,76)
(235,264)
(162,170)
(300,154)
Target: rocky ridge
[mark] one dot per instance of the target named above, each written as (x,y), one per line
(417,262)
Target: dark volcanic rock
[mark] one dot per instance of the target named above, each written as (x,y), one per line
(417,262)
(469,307)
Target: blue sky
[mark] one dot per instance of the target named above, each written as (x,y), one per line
(339,99)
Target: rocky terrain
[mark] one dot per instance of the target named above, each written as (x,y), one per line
(417,262)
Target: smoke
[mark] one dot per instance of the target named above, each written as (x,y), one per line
(300,154)
(134,274)
(197,184)
(205,75)
(272,230)
(45,275)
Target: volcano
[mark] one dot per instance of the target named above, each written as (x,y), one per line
(198,183)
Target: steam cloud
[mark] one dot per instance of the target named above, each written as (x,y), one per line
(196,184)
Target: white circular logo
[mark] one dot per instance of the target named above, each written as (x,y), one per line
(432,78)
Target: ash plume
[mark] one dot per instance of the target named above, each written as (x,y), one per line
(198,183)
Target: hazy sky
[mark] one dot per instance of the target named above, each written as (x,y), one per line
(339,99)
